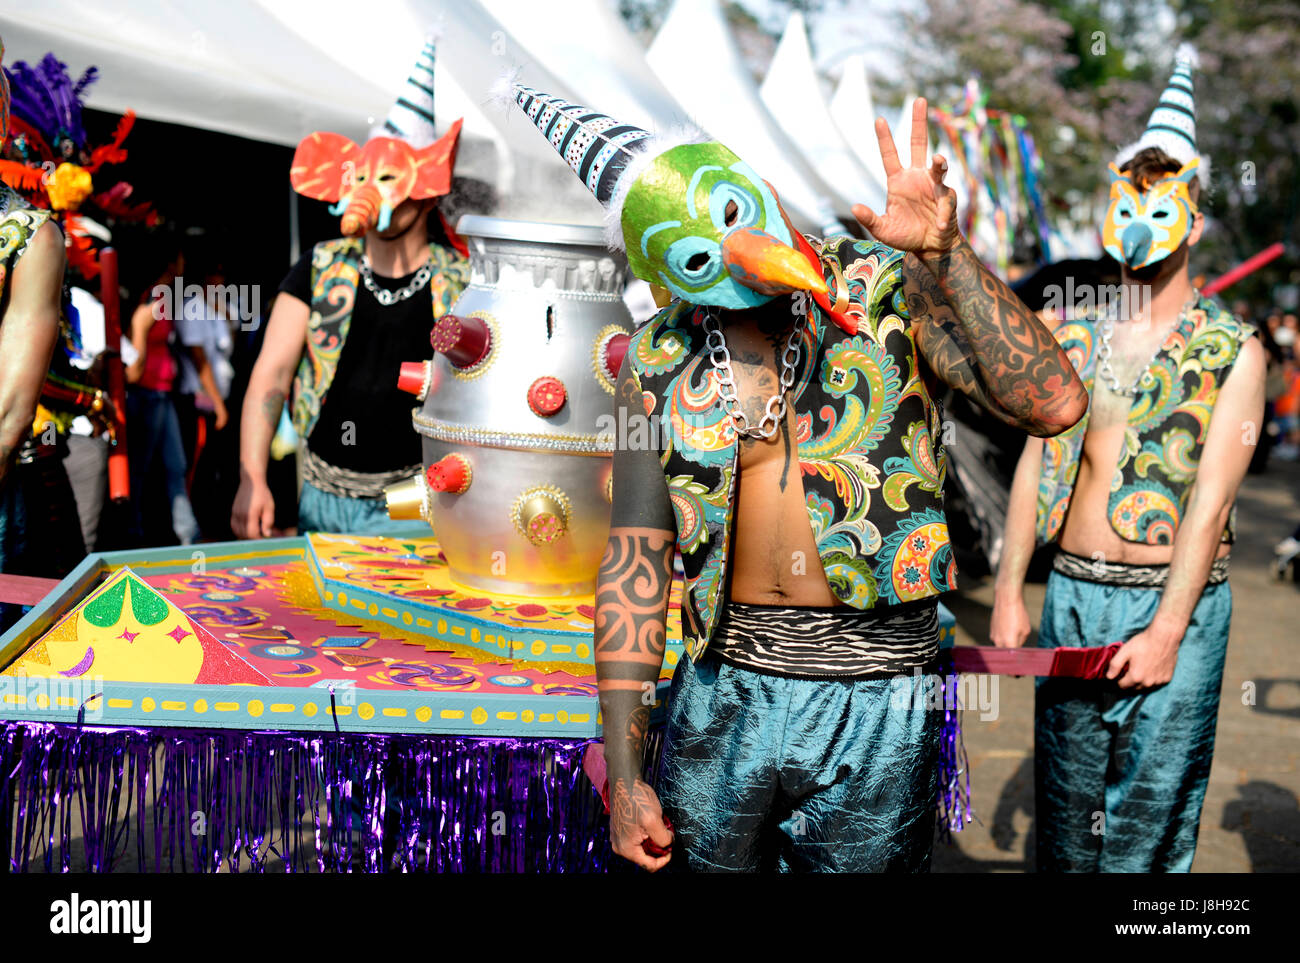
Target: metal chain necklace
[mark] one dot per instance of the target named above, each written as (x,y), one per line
(1107,373)
(386,297)
(721,359)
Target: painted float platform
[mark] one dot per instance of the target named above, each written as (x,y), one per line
(347,632)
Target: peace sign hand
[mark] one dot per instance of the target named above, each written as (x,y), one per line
(920,210)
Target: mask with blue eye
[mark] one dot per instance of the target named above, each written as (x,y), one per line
(701,223)
(1143,227)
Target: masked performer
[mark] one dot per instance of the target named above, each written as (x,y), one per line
(50,157)
(1139,497)
(797,468)
(349,313)
(39,530)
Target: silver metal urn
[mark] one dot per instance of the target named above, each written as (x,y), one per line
(517,478)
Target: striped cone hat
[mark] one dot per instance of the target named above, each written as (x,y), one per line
(599,149)
(411,117)
(1172,126)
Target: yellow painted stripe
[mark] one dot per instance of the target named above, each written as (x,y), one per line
(226,706)
(561,649)
(452,713)
(395,713)
(16,700)
(582,718)
(507,716)
(173,706)
(283,707)
(120,703)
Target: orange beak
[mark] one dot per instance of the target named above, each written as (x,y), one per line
(762,263)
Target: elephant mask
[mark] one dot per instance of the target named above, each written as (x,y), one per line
(365,184)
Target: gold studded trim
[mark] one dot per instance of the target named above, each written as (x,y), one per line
(478,370)
(598,350)
(566,506)
(559,442)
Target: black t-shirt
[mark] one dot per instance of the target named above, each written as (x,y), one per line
(365,421)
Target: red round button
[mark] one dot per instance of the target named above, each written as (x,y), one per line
(546,396)
(451,474)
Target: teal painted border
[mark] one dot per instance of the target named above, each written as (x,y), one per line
(173,705)
(303,709)
(559,645)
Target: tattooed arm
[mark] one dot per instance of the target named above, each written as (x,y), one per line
(253,513)
(973,331)
(981,339)
(28,333)
(631,629)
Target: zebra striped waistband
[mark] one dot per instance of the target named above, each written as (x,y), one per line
(348,483)
(825,643)
(1120,573)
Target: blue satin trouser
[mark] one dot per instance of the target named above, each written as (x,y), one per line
(769,773)
(320,511)
(1120,778)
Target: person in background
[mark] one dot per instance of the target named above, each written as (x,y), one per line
(153,429)
(88,443)
(1286,407)
(204,331)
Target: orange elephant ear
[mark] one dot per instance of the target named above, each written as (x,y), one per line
(318,165)
(435,163)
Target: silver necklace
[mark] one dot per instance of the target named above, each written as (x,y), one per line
(384,295)
(1107,373)
(721,358)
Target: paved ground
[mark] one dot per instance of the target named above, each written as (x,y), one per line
(1251,819)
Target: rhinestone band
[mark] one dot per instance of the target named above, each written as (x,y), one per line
(566,444)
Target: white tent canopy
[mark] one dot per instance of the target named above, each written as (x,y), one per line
(276,70)
(854,114)
(696,58)
(601,63)
(793,94)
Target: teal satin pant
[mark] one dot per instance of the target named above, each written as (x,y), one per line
(769,773)
(1119,777)
(320,511)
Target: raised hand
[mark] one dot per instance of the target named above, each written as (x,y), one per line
(920,210)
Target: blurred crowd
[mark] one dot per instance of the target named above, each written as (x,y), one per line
(187,361)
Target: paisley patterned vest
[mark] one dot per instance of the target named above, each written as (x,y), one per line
(16,229)
(1166,431)
(335,274)
(868,432)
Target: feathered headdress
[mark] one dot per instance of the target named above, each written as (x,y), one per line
(48,160)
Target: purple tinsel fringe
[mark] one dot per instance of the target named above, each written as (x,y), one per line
(954,767)
(204,800)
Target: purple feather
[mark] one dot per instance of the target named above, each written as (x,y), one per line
(45,97)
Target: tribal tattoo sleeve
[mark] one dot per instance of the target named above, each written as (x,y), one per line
(632,595)
(982,340)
